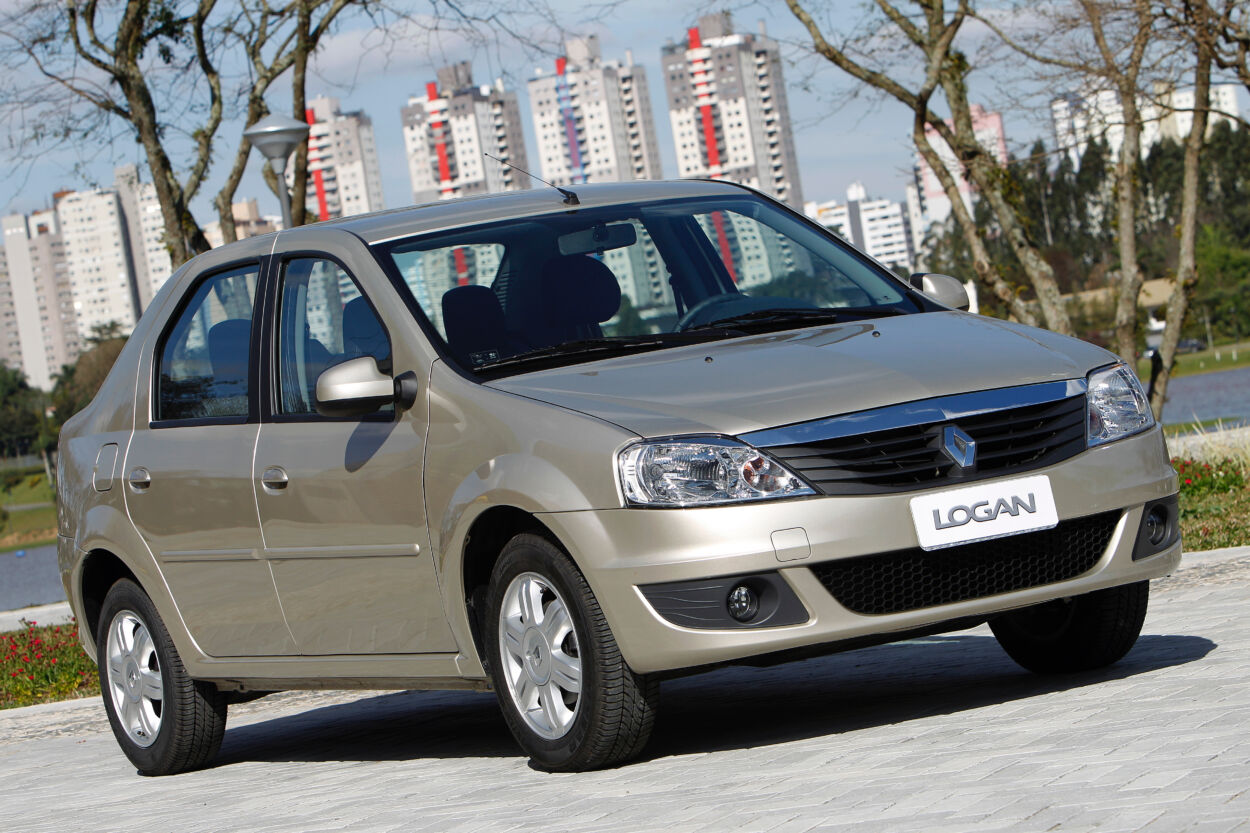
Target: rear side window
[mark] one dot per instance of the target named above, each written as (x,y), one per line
(205,356)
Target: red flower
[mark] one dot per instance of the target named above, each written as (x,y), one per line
(1188,482)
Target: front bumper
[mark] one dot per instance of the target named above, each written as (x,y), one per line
(622,549)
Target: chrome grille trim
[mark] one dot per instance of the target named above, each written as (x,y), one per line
(920,412)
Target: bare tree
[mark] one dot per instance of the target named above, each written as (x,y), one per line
(1232,49)
(100,64)
(275,39)
(1101,45)
(1200,25)
(932,32)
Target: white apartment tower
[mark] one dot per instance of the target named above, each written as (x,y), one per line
(448,131)
(934,204)
(1079,118)
(879,228)
(38,325)
(727,104)
(145,232)
(594,119)
(344,176)
(98,256)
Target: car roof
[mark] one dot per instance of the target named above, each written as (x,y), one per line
(540,199)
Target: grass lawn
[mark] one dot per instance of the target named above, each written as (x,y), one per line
(33,488)
(29,528)
(1216,520)
(1188,364)
(43,663)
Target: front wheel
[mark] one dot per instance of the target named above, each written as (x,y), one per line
(1081,633)
(566,693)
(164,721)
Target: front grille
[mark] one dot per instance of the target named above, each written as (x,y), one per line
(903,580)
(903,459)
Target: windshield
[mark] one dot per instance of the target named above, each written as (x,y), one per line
(584,284)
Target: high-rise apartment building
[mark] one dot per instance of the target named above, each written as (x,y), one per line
(1079,118)
(879,228)
(247,223)
(97,252)
(934,204)
(727,104)
(145,233)
(448,131)
(38,324)
(593,118)
(344,176)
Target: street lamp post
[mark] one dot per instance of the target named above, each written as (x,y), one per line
(276,137)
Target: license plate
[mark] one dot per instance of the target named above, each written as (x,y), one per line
(978,513)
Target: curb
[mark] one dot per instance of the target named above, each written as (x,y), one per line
(57,613)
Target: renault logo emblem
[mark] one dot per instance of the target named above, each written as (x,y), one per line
(959,447)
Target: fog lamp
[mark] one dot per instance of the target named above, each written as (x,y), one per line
(1157,525)
(743,603)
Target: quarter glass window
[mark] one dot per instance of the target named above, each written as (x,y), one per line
(204,363)
(323,320)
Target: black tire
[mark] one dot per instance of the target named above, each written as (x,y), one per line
(1081,633)
(192,713)
(615,709)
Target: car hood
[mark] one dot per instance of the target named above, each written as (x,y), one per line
(756,382)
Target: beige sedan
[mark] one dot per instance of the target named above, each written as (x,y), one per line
(566,448)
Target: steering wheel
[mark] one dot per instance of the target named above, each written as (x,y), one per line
(697,313)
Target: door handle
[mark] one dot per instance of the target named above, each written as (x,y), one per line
(274,479)
(140,479)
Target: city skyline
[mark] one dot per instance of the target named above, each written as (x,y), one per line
(863,139)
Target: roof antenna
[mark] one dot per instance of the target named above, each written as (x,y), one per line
(569,197)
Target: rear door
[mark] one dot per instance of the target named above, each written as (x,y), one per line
(340,501)
(188,468)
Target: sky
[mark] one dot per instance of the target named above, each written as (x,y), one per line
(842,133)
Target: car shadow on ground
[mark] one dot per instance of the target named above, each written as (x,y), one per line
(731,708)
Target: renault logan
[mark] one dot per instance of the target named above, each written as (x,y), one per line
(566,445)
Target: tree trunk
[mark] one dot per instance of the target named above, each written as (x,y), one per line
(1187,267)
(986,173)
(299,104)
(1126,226)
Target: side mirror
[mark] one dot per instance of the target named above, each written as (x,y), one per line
(947,291)
(353,388)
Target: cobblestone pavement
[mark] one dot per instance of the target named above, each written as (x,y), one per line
(939,734)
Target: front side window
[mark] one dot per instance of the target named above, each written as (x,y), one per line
(323,320)
(580,285)
(205,356)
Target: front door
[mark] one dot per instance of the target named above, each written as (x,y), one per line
(340,501)
(188,472)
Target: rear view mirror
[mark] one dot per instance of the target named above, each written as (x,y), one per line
(598,238)
(353,388)
(947,291)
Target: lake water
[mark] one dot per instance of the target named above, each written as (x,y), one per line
(32,579)
(1224,395)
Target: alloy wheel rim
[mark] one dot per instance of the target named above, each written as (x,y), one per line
(134,678)
(539,652)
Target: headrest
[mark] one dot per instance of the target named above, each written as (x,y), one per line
(472,317)
(228,343)
(577,289)
(362,331)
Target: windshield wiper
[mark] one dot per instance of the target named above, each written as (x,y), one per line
(789,315)
(608,344)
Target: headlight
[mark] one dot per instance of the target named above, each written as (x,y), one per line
(1117,405)
(702,471)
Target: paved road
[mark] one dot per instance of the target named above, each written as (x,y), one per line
(943,734)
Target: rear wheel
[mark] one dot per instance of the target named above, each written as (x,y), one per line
(1075,634)
(164,721)
(567,695)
